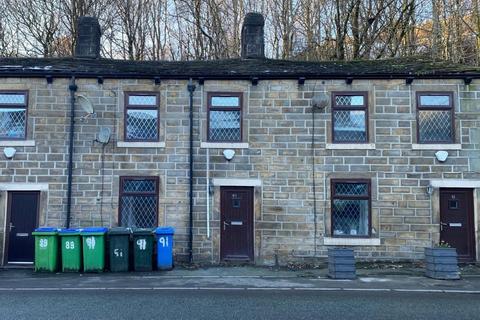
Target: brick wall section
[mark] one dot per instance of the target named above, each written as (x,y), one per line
(278,128)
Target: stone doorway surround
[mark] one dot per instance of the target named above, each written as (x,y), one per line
(257,212)
(4,189)
(456,183)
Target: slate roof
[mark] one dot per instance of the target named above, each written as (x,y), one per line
(235,69)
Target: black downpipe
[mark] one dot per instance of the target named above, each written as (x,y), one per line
(73,88)
(191,89)
(314,187)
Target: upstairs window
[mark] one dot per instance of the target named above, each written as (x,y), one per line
(141,116)
(138,202)
(224,117)
(351,208)
(349,117)
(435,117)
(13,115)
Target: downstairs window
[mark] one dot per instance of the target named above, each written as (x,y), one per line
(351,215)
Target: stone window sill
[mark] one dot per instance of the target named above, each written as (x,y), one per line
(224,145)
(351,241)
(443,146)
(125,144)
(17,143)
(350,146)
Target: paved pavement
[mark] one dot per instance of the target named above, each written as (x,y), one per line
(237,278)
(395,292)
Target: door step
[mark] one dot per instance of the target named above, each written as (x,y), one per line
(237,261)
(18,265)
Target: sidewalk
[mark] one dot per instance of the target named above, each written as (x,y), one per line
(392,277)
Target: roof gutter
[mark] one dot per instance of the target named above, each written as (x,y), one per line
(334,76)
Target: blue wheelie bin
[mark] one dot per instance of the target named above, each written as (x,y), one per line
(164,247)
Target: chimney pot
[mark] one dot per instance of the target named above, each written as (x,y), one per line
(88,38)
(252,36)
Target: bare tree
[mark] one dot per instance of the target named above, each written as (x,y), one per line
(38,24)
(8,41)
(211,29)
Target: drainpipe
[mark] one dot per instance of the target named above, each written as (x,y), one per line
(73,88)
(191,89)
(314,187)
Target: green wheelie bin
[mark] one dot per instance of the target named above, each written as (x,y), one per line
(143,249)
(46,249)
(71,245)
(118,253)
(93,242)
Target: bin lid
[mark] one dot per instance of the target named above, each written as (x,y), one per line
(164,230)
(142,231)
(120,231)
(45,231)
(101,230)
(70,231)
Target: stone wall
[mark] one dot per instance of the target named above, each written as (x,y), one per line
(278,129)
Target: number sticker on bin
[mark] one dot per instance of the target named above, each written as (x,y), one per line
(69,245)
(163,241)
(118,252)
(142,244)
(43,242)
(90,243)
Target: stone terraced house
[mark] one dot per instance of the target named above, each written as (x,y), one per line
(249,159)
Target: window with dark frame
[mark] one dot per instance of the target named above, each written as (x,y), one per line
(435,117)
(224,117)
(349,117)
(138,205)
(13,115)
(141,116)
(350,203)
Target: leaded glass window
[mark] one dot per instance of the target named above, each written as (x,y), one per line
(141,117)
(138,202)
(435,118)
(351,208)
(13,115)
(225,117)
(349,118)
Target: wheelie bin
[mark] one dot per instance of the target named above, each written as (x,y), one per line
(143,249)
(93,242)
(71,245)
(164,247)
(46,249)
(119,242)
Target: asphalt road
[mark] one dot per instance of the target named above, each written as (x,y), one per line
(236,304)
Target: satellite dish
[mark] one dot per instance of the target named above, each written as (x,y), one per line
(85,104)
(320,101)
(104,135)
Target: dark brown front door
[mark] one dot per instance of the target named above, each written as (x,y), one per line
(22,216)
(456,221)
(236,223)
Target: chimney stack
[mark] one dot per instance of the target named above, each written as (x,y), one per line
(88,38)
(252,36)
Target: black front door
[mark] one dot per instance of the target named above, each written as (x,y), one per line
(236,223)
(456,221)
(22,216)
